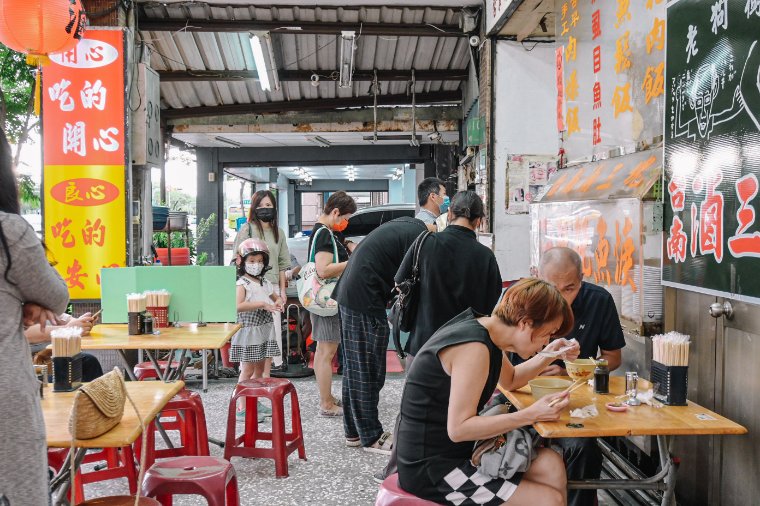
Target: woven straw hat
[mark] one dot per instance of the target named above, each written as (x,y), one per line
(98,406)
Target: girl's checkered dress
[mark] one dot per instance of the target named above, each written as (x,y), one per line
(256,340)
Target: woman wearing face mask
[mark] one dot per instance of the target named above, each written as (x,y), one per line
(326,329)
(262,224)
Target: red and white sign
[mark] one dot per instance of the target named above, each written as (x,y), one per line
(84,139)
(83,102)
(560,64)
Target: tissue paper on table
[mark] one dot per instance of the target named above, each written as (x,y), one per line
(589,411)
(647,397)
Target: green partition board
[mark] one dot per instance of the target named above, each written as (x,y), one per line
(195,290)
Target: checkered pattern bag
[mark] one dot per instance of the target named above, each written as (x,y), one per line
(465,486)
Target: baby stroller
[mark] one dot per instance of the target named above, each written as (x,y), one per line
(295,360)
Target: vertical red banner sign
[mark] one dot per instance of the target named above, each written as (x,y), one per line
(560,64)
(84,154)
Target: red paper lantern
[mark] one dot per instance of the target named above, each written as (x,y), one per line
(41,27)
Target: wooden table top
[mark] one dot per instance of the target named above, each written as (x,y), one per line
(149,396)
(641,420)
(188,337)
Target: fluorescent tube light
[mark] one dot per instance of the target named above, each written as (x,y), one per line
(347,48)
(261,65)
(320,141)
(225,140)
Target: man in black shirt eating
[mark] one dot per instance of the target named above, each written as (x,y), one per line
(363,293)
(597,328)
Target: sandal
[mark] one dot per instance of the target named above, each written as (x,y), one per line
(353,442)
(383,445)
(331,413)
(338,402)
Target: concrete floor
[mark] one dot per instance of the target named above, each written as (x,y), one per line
(333,474)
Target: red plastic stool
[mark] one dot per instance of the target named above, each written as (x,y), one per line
(283,443)
(56,459)
(391,494)
(120,464)
(225,353)
(120,500)
(189,420)
(210,477)
(145,370)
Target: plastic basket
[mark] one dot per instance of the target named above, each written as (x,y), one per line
(160,316)
(673,383)
(67,373)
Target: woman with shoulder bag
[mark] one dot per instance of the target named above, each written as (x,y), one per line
(326,329)
(454,375)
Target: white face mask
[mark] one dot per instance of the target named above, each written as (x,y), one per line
(254,269)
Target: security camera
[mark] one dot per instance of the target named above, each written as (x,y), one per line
(474,41)
(434,136)
(314,80)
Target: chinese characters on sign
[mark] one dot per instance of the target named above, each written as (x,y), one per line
(712,118)
(614,60)
(596,210)
(84,119)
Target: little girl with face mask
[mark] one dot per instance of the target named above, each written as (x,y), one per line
(258,305)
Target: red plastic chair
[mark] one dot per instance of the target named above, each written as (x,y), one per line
(145,370)
(120,464)
(210,477)
(391,494)
(283,443)
(189,419)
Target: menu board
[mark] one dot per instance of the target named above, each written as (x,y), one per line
(712,148)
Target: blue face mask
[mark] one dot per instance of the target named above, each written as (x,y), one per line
(445,205)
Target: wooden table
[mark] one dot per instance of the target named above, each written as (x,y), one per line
(190,336)
(664,423)
(149,397)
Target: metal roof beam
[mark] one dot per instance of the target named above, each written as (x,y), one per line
(305,75)
(147,24)
(345,116)
(307,155)
(320,104)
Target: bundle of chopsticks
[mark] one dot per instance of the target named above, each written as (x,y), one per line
(671,349)
(67,341)
(136,302)
(158,298)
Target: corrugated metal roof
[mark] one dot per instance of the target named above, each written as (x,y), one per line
(182,50)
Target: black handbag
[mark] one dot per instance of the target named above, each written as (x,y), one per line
(404,306)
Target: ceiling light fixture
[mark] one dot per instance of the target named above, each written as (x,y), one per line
(320,141)
(260,61)
(234,144)
(347,47)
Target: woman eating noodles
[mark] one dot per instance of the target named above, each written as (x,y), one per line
(451,379)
